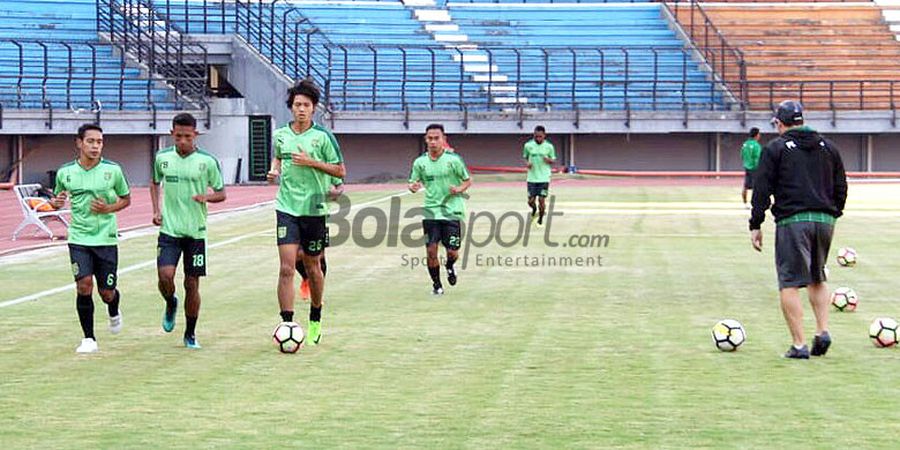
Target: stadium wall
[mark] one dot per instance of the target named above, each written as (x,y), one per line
(379,158)
(7,153)
(384,157)
(45,153)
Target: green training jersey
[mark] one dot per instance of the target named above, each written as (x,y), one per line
(105,181)
(437,176)
(750,152)
(304,190)
(535,154)
(183,177)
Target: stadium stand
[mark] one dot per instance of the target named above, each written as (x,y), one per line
(831,56)
(52,58)
(389,56)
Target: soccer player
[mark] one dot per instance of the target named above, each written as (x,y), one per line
(806,175)
(539,157)
(750,152)
(186,174)
(444,177)
(97,189)
(306,157)
(337,189)
(447,147)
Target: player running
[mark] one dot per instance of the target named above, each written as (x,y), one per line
(186,174)
(306,157)
(337,189)
(97,189)
(444,177)
(539,157)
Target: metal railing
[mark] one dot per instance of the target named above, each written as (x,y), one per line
(549,78)
(830,95)
(726,61)
(429,77)
(285,36)
(73,75)
(157,44)
(217,17)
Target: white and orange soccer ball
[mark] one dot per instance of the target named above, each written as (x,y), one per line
(728,335)
(847,257)
(884,332)
(845,299)
(288,337)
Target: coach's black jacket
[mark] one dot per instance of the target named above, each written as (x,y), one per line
(804,172)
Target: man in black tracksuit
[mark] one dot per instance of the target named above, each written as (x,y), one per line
(805,174)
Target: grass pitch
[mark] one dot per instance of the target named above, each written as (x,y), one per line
(512,357)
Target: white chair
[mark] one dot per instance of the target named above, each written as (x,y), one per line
(26,192)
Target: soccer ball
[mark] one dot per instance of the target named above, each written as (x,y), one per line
(728,335)
(844,299)
(288,336)
(884,332)
(846,257)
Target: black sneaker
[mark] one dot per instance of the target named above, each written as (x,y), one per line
(795,353)
(437,289)
(451,276)
(821,344)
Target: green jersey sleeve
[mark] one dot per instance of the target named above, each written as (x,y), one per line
(552,152)
(331,150)
(214,175)
(157,172)
(525,150)
(415,174)
(461,170)
(60,183)
(121,185)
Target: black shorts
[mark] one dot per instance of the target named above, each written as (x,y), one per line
(100,261)
(308,231)
(801,250)
(169,249)
(538,189)
(748,178)
(447,232)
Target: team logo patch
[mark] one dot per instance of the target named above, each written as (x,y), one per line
(107,176)
(202,167)
(75,269)
(315,142)
(282,232)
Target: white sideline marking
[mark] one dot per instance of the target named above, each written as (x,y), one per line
(151,262)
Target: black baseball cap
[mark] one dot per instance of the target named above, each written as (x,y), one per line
(789,113)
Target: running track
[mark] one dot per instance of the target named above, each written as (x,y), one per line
(139,213)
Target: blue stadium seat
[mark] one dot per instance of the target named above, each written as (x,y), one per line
(376,55)
(50,54)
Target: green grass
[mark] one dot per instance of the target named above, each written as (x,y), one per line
(522,357)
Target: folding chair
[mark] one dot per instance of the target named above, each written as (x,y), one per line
(26,192)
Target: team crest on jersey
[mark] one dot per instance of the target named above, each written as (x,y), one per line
(202,167)
(315,142)
(107,176)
